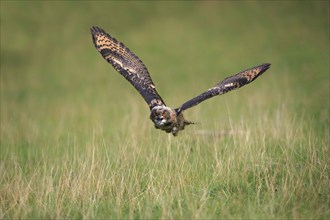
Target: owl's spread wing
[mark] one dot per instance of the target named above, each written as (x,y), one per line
(127,64)
(228,84)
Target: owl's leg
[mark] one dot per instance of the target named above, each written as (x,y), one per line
(175,131)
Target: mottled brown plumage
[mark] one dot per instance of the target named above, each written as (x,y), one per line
(127,64)
(133,69)
(228,84)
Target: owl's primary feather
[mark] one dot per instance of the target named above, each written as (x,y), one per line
(127,64)
(133,69)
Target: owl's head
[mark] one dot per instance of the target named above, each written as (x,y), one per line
(163,117)
(168,120)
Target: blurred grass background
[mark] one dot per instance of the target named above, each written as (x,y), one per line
(60,101)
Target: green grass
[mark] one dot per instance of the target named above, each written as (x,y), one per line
(76,141)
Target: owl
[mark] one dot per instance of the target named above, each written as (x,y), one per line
(132,68)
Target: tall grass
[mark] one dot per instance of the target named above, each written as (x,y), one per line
(245,171)
(76,141)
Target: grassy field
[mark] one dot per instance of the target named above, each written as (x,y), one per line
(76,141)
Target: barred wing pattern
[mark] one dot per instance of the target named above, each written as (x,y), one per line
(228,84)
(127,64)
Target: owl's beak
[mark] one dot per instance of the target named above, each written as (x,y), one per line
(159,121)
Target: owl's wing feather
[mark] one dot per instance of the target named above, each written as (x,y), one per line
(228,84)
(127,64)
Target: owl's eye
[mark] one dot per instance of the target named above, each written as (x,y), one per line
(164,114)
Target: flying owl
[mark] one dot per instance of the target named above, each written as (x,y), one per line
(132,68)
